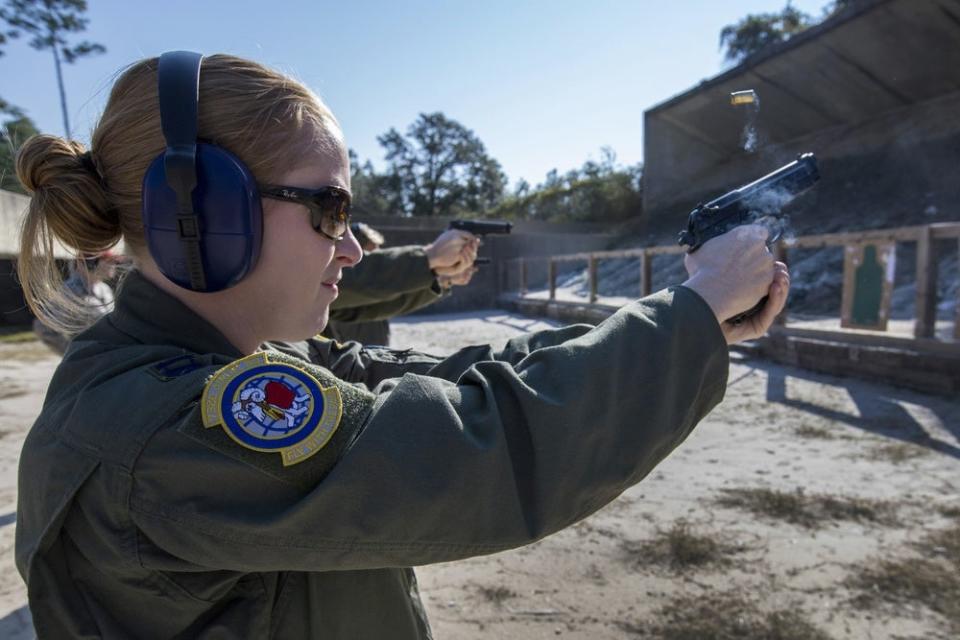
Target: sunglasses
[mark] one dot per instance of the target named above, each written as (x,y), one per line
(329,206)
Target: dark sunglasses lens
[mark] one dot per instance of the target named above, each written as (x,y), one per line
(331,214)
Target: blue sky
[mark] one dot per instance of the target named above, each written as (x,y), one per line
(543,84)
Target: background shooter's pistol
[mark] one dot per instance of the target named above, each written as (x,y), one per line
(482,228)
(760,202)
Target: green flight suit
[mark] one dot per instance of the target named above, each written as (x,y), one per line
(382,276)
(385,284)
(134,520)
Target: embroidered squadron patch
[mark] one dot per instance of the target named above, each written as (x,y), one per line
(272,406)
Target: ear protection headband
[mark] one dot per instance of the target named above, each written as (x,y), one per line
(201,205)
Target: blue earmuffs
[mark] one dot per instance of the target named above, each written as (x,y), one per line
(201,207)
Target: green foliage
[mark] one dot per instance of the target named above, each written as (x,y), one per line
(373,194)
(597,192)
(6,107)
(837,6)
(5,35)
(440,168)
(49,22)
(758,31)
(13,133)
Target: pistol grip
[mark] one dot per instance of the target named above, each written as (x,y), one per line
(740,317)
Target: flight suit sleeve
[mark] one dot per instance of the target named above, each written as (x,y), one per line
(397,306)
(384,275)
(430,469)
(367,365)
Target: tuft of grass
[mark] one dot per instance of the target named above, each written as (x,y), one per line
(680,548)
(725,616)
(932,581)
(897,453)
(943,544)
(817,433)
(950,512)
(16,335)
(811,511)
(911,581)
(497,595)
(12,392)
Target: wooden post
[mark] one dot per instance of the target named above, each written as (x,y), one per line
(553,279)
(646,275)
(523,277)
(593,278)
(780,255)
(956,318)
(926,311)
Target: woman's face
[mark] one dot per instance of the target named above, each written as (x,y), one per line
(296,276)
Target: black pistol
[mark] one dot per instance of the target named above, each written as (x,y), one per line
(760,201)
(482,227)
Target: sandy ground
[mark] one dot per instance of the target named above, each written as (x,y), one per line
(779,428)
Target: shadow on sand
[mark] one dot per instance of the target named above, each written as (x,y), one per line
(880,407)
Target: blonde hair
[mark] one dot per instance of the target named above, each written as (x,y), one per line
(88,203)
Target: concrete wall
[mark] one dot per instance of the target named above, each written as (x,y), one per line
(873,92)
(13,308)
(901,167)
(12,207)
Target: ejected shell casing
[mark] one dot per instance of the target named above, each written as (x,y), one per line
(743,97)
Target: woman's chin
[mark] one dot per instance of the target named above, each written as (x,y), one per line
(322,321)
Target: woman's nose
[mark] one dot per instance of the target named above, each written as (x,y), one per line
(348,249)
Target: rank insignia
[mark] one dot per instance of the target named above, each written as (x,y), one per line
(176,367)
(272,406)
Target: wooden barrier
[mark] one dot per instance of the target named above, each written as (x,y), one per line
(925,236)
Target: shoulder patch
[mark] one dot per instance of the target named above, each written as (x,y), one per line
(273,403)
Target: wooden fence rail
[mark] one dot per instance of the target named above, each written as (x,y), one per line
(925,236)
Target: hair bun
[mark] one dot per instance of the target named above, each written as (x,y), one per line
(68,192)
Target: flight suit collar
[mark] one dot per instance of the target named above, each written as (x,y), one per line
(152,316)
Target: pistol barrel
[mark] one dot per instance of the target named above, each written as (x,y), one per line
(482,227)
(763,197)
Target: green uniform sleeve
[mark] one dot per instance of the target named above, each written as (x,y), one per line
(399,305)
(368,366)
(383,275)
(355,362)
(507,449)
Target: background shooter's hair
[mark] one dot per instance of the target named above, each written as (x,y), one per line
(366,235)
(89,202)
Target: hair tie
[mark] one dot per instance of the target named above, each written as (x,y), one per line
(86,159)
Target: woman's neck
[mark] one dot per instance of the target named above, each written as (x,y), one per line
(219,309)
